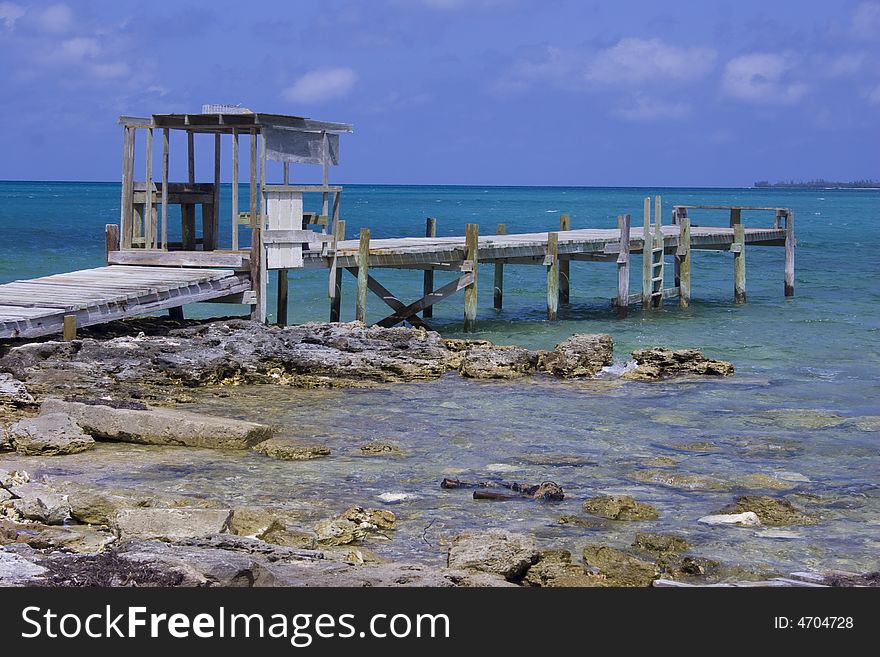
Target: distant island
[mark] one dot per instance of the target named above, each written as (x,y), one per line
(821,183)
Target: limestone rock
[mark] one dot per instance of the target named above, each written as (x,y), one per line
(18,571)
(280,534)
(494,551)
(377,448)
(160,426)
(659,363)
(169,524)
(353,525)
(619,568)
(289,449)
(770,510)
(13,391)
(554,569)
(36,501)
(49,434)
(620,507)
(746,519)
(497,362)
(660,543)
(13,478)
(583,354)
(680,480)
(95,507)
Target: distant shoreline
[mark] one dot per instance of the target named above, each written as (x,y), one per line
(819,184)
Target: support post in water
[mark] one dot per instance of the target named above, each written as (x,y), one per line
(564,264)
(428,279)
(622,300)
(552,262)
(282,298)
(472,234)
(683,258)
(363,274)
(658,256)
(111,241)
(739,263)
(789,253)
(647,256)
(68,332)
(498,294)
(336,301)
(258,273)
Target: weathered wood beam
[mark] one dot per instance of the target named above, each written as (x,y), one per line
(470,292)
(498,288)
(282,298)
(622,300)
(428,300)
(428,276)
(683,258)
(552,262)
(127,209)
(111,241)
(159,258)
(564,264)
(235,189)
(258,274)
(165,146)
(739,263)
(336,300)
(400,309)
(363,275)
(658,262)
(789,253)
(149,224)
(68,333)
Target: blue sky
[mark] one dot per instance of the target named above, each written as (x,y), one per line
(463,91)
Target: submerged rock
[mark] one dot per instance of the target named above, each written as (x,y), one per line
(659,363)
(660,543)
(494,551)
(555,569)
(759,480)
(280,534)
(619,568)
(620,507)
(680,480)
(497,362)
(583,354)
(159,426)
(798,418)
(747,519)
(578,521)
(377,448)
(353,525)
(289,449)
(771,511)
(49,434)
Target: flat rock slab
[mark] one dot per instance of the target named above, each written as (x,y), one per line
(17,571)
(160,426)
(170,524)
(49,434)
(289,449)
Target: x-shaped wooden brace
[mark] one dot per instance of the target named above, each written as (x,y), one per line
(408,313)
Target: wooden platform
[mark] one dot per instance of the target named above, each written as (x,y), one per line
(39,306)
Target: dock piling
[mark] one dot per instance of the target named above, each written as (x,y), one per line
(622,302)
(363,274)
(552,262)
(282,298)
(739,262)
(111,241)
(683,260)
(498,294)
(336,301)
(470,292)
(69,331)
(564,264)
(428,279)
(789,253)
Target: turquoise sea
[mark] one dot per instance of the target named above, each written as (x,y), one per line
(803,408)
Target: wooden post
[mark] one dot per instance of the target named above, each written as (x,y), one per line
(68,332)
(149,224)
(282,297)
(647,256)
(190,157)
(735,216)
(789,253)
(262,180)
(336,301)
(286,172)
(552,275)
(258,274)
(472,233)
(622,301)
(498,295)
(176,314)
(235,189)
(165,136)
(683,258)
(658,264)
(253,179)
(739,263)
(564,264)
(428,279)
(363,274)
(188,226)
(211,224)
(111,241)
(127,209)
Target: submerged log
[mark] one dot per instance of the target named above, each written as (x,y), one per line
(546,490)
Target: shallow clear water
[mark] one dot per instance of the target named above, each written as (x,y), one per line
(816,355)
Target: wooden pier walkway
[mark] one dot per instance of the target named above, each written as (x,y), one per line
(60,303)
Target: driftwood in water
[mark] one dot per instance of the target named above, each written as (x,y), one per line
(546,490)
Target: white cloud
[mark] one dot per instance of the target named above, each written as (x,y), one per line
(843,65)
(647,108)
(56,19)
(79,48)
(866,21)
(321,85)
(874,95)
(762,78)
(636,61)
(9,13)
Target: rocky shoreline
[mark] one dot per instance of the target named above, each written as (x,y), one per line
(58,398)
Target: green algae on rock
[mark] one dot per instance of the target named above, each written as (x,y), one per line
(771,511)
(289,449)
(620,507)
(620,568)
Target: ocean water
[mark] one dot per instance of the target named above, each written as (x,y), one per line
(803,409)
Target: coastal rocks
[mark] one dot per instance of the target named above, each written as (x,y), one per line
(280,534)
(377,448)
(49,434)
(680,480)
(554,569)
(497,362)
(583,354)
(763,481)
(494,551)
(95,507)
(770,510)
(18,571)
(659,363)
(799,418)
(36,501)
(620,507)
(13,478)
(620,568)
(159,426)
(14,392)
(746,519)
(660,543)
(353,525)
(169,524)
(288,449)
